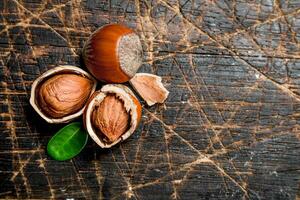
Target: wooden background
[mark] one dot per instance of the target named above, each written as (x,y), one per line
(230,128)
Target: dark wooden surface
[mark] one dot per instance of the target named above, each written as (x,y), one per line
(230,128)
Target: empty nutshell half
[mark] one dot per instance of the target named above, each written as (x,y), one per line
(59,95)
(113,53)
(111,115)
(150,88)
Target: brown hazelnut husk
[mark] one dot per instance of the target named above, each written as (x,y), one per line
(113,53)
(112,114)
(59,95)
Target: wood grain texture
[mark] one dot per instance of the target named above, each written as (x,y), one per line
(230,128)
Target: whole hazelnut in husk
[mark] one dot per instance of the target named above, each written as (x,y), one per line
(111,115)
(113,53)
(60,94)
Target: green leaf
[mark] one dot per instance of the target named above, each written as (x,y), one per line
(67,142)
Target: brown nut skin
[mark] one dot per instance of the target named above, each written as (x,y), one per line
(111,117)
(59,95)
(131,104)
(113,53)
(63,94)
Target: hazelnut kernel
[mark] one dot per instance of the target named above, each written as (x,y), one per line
(111,117)
(63,94)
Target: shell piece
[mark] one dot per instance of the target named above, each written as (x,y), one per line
(42,107)
(150,88)
(130,103)
(113,53)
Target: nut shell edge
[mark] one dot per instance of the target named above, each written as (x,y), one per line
(51,72)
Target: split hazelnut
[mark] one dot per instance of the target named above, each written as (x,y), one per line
(112,115)
(113,53)
(60,94)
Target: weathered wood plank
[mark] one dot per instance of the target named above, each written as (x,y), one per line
(229,129)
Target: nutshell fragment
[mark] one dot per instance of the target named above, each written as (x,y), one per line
(150,88)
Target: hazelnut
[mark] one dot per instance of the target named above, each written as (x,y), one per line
(63,94)
(150,88)
(112,115)
(60,94)
(113,53)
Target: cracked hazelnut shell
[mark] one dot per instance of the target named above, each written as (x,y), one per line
(150,88)
(113,53)
(111,115)
(59,95)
